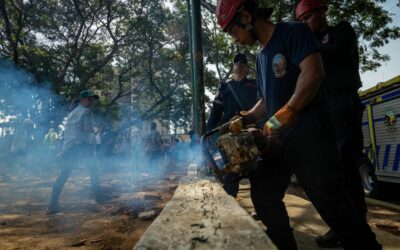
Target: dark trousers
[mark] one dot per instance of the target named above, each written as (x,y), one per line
(347,113)
(71,158)
(231,184)
(309,152)
(230,181)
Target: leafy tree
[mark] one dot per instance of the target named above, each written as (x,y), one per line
(372,23)
(136,53)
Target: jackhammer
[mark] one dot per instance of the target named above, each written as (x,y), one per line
(240,149)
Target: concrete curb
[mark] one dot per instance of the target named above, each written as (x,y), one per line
(201,215)
(382,203)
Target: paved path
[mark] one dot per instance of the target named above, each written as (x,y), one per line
(307,223)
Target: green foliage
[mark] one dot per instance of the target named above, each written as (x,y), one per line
(136,52)
(373,25)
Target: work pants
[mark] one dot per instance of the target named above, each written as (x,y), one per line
(347,110)
(309,152)
(231,183)
(70,159)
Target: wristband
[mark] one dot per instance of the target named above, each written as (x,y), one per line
(282,118)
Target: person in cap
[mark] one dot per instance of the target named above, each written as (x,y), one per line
(21,143)
(339,51)
(78,148)
(238,94)
(154,148)
(289,75)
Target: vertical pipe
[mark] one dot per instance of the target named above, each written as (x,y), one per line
(197,70)
(189,12)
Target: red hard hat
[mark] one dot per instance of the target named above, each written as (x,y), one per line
(226,11)
(308,5)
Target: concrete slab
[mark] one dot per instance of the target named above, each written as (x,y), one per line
(202,216)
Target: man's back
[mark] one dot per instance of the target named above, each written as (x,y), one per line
(153,141)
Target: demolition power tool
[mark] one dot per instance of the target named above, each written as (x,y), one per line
(239,151)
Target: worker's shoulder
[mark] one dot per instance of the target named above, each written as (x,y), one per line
(287,28)
(251,81)
(290,25)
(343,27)
(79,112)
(223,86)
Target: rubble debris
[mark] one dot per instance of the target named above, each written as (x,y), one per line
(151,197)
(200,225)
(200,239)
(122,210)
(79,243)
(85,242)
(147,215)
(172,178)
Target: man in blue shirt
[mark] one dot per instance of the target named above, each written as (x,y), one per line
(289,75)
(232,97)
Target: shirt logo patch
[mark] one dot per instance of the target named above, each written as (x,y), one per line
(279,65)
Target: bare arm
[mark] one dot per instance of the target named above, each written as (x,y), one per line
(259,110)
(308,82)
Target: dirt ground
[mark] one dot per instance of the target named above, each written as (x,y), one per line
(117,224)
(386,219)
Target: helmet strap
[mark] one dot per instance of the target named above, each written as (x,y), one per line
(248,27)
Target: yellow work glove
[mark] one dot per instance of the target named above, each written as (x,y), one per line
(240,121)
(280,120)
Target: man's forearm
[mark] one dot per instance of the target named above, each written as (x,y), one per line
(259,110)
(308,82)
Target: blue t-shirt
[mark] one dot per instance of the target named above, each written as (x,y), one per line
(278,63)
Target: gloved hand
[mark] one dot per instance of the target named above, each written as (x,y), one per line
(280,121)
(269,146)
(240,121)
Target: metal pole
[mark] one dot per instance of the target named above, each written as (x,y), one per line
(197,68)
(189,12)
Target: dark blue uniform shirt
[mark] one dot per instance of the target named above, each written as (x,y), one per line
(339,51)
(225,105)
(278,63)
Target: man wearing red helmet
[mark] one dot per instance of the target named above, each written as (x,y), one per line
(339,50)
(289,76)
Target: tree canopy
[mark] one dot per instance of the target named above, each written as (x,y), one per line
(136,52)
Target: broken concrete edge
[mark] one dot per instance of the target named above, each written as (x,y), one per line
(200,215)
(382,204)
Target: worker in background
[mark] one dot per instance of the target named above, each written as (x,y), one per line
(50,142)
(78,148)
(339,51)
(154,148)
(22,143)
(50,139)
(238,94)
(289,76)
